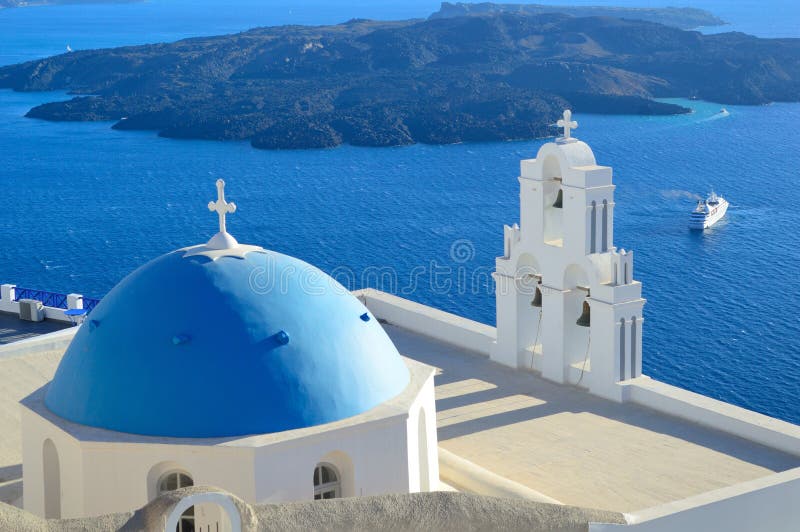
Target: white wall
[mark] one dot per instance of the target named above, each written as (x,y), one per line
(372,458)
(106,477)
(768,504)
(428,321)
(712,413)
(423,462)
(122,476)
(35,430)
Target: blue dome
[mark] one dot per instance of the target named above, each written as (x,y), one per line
(190,347)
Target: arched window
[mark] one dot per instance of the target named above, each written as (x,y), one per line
(172,481)
(327,484)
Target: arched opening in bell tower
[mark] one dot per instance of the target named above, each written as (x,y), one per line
(553,202)
(577,320)
(529,310)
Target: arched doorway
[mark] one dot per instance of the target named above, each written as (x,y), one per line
(217,513)
(422,434)
(174,480)
(327,482)
(52,480)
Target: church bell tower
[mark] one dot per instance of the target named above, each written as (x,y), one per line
(567,304)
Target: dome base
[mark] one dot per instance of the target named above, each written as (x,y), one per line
(239,251)
(222,241)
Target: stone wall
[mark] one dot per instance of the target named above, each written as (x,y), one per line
(436,511)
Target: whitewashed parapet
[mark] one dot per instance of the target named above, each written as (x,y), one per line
(74,301)
(472,478)
(766,503)
(54,341)
(7,296)
(433,323)
(57,314)
(718,415)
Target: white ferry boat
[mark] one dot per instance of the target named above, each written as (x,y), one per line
(708,212)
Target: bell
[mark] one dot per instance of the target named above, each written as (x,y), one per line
(559,203)
(537,298)
(586,317)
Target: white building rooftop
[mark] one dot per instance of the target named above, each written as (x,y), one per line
(575,447)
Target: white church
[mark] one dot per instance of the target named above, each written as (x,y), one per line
(259,377)
(275,393)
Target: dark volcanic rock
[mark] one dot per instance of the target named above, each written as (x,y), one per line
(445,80)
(300,132)
(679,17)
(87,109)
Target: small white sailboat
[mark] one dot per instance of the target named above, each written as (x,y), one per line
(708,212)
(69,48)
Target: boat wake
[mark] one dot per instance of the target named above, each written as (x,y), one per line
(723,113)
(677,194)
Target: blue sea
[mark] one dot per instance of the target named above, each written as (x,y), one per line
(84,205)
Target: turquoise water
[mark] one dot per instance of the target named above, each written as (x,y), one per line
(84,205)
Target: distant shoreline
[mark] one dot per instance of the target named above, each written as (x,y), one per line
(685,18)
(12,4)
(484,77)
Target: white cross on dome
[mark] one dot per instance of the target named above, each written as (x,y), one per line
(222,244)
(221,207)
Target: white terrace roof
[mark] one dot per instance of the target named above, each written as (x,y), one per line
(574,447)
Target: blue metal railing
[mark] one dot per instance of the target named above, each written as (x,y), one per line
(89,304)
(48,299)
(52,299)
